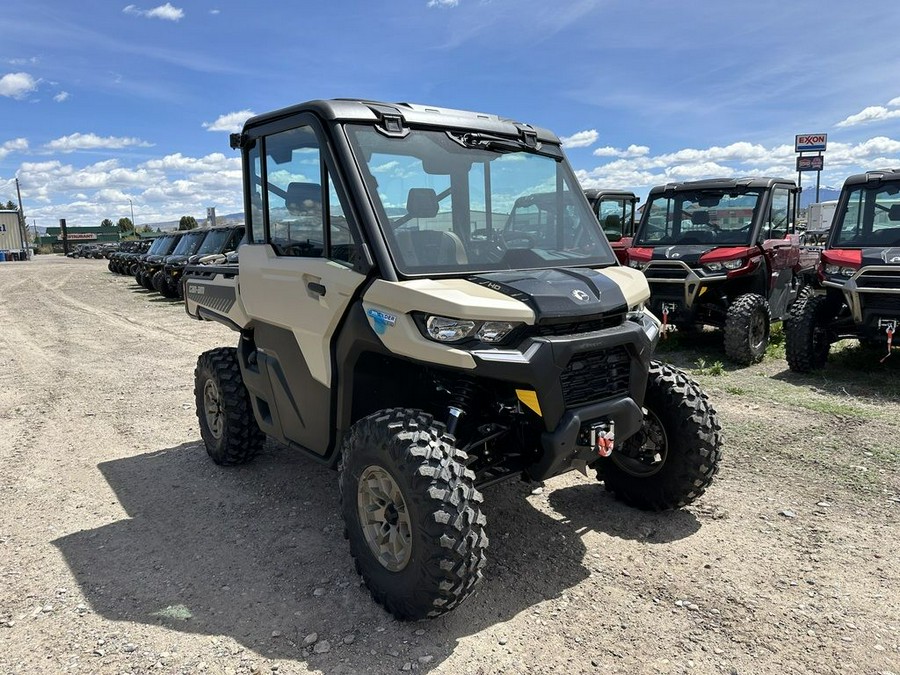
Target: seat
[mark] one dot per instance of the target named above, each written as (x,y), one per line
(423,248)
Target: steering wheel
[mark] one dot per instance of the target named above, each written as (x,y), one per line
(506,237)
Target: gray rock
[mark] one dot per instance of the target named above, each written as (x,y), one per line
(310,639)
(322,647)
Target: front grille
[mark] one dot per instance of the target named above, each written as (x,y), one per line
(880,279)
(587,325)
(595,376)
(666,271)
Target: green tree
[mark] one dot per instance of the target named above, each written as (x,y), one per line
(125,225)
(106,222)
(11,205)
(146,228)
(187,223)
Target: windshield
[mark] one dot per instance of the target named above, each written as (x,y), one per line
(159,245)
(449,205)
(215,241)
(869,217)
(713,217)
(616,216)
(189,243)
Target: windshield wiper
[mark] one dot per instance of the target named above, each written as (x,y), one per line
(483,141)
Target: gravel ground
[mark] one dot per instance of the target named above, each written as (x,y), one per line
(123,549)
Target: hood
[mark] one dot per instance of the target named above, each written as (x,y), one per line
(881,256)
(562,293)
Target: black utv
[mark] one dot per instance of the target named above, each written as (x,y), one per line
(216,241)
(152,261)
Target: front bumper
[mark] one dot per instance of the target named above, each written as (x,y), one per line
(677,287)
(579,380)
(872,294)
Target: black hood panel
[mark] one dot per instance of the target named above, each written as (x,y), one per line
(559,294)
(689,254)
(881,256)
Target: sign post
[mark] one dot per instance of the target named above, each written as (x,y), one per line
(809,143)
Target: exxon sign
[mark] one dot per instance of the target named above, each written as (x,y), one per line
(810,142)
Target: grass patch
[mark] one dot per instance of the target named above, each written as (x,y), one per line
(714,369)
(775,348)
(833,408)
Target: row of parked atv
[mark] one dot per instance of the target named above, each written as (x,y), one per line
(158,265)
(727,253)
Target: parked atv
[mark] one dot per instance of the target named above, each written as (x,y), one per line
(859,271)
(615,210)
(423,351)
(187,246)
(148,264)
(217,241)
(120,261)
(723,253)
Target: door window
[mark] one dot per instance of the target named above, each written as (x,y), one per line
(305,214)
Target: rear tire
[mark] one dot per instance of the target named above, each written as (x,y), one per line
(227,425)
(412,514)
(807,341)
(747,329)
(672,460)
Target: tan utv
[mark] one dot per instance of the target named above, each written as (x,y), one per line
(392,326)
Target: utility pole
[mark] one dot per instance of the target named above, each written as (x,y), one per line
(21,221)
(133,224)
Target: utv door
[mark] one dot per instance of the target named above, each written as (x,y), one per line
(298,276)
(781,249)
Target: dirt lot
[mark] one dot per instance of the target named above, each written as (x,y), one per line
(123,549)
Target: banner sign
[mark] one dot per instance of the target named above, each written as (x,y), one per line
(72,236)
(810,142)
(814,163)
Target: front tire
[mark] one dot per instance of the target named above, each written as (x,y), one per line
(227,425)
(672,460)
(747,329)
(412,514)
(807,341)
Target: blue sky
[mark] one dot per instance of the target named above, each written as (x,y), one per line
(104,102)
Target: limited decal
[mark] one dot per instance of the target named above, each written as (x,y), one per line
(891,255)
(381,320)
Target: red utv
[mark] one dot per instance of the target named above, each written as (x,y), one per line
(722,253)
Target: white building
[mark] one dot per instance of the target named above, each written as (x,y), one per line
(11,232)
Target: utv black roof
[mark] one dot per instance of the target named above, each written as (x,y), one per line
(599,193)
(723,184)
(404,114)
(876,176)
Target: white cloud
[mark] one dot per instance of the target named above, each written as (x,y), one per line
(15,145)
(232,122)
(215,162)
(443,4)
(874,113)
(61,96)
(894,103)
(635,168)
(79,141)
(630,151)
(215,11)
(580,139)
(166,12)
(17,85)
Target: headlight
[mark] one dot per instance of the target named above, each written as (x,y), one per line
(841,271)
(494,331)
(734,264)
(444,329)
